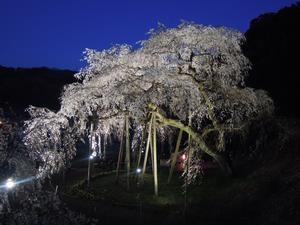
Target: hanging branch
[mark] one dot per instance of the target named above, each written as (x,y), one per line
(127,159)
(141,147)
(89,162)
(120,153)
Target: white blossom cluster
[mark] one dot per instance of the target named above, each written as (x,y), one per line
(50,139)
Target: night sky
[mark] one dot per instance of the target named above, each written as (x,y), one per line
(54,33)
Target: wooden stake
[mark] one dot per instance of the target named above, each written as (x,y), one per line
(155,157)
(174,159)
(147,146)
(189,155)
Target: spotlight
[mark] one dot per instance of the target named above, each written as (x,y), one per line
(138,170)
(183,157)
(10,183)
(93,155)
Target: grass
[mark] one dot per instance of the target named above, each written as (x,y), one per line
(268,194)
(105,188)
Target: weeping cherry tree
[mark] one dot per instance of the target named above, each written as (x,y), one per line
(189,78)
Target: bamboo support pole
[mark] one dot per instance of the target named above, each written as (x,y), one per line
(155,157)
(147,146)
(174,158)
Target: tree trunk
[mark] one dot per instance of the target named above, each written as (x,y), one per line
(196,137)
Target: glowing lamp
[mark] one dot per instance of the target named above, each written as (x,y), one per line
(10,183)
(93,155)
(183,157)
(138,170)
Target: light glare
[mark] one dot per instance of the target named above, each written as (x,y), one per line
(10,183)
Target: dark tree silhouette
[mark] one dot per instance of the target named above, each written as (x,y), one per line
(20,87)
(273,46)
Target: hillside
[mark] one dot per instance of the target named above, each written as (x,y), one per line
(20,87)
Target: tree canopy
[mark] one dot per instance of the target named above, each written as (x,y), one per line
(191,72)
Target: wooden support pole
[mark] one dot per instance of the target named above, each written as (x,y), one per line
(147,146)
(127,159)
(174,158)
(155,157)
(187,165)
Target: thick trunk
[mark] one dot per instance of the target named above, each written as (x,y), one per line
(196,137)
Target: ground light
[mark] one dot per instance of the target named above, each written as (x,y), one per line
(93,155)
(10,183)
(138,170)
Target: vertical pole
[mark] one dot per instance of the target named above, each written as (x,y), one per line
(174,159)
(120,153)
(151,150)
(89,162)
(141,146)
(187,170)
(147,146)
(127,151)
(155,157)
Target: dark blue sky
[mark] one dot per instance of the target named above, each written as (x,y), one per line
(54,33)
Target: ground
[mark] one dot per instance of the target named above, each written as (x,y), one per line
(269,194)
